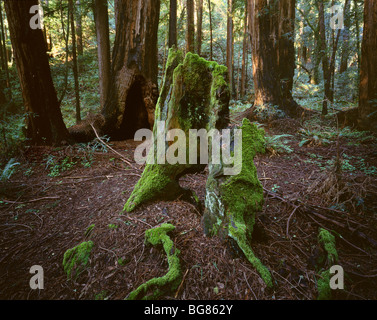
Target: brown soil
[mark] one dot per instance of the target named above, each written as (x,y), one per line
(41,217)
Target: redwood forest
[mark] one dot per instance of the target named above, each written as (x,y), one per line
(184,150)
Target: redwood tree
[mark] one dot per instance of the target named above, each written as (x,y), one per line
(368,76)
(103,47)
(190,27)
(133,91)
(44,119)
(173,23)
(272,33)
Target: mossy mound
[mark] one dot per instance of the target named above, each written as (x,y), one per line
(327,241)
(232,201)
(194,95)
(330,257)
(156,287)
(76,259)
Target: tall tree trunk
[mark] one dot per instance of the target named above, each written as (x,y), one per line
(244,53)
(199,31)
(173,24)
(210,30)
(103,47)
(345,37)
(44,123)
(286,51)
(325,59)
(272,29)
(190,29)
(368,76)
(4,52)
(80,48)
(133,91)
(75,65)
(265,72)
(230,46)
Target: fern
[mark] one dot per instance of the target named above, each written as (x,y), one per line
(276,145)
(9,169)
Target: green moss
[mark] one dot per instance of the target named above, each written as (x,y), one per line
(323,285)
(195,95)
(327,240)
(156,287)
(154,183)
(76,259)
(242,196)
(89,231)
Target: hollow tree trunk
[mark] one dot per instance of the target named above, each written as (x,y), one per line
(133,91)
(44,122)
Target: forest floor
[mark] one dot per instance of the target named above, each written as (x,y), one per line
(48,204)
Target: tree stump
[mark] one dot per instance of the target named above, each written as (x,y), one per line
(232,201)
(195,95)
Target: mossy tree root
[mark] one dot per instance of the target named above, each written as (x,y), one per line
(156,287)
(232,201)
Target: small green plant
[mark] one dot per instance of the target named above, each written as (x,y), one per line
(56,168)
(112,226)
(276,145)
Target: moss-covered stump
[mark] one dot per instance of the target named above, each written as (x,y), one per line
(76,259)
(194,95)
(156,287)
(325,261)
(232,201)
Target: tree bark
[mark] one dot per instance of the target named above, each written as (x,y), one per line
(265,72)
(368,77)
(325,59)
(230,46)
(103,47)
(199,31)
(244,53)
(75,64)
(190,28)
(196,97)
(210,30)
(44,122)
(345,37)
(173,23)
(80,48)
(133,91)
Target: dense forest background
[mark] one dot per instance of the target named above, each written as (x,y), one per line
(73,94)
